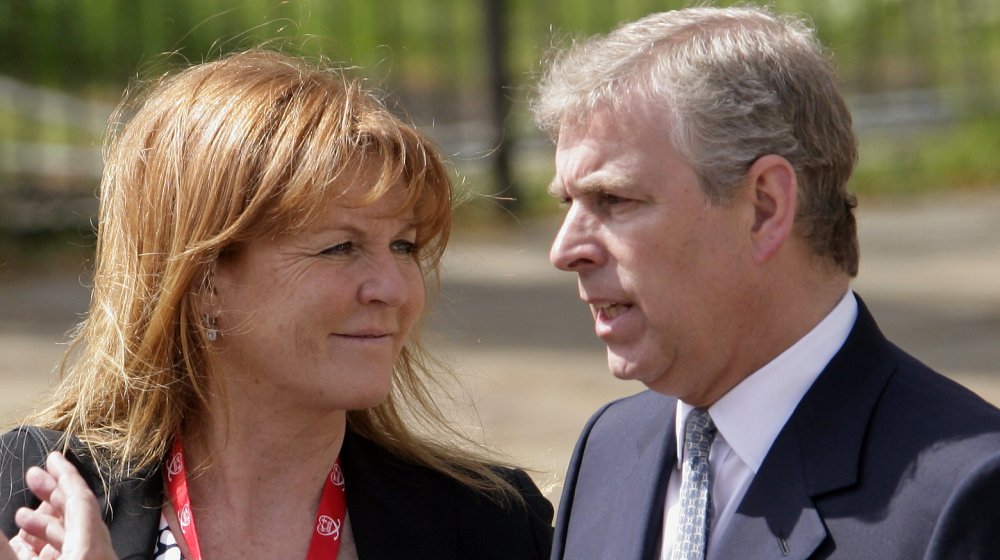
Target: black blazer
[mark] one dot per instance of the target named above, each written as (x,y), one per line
(398,510)
(883,458)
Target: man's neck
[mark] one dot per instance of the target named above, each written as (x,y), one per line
(783,314)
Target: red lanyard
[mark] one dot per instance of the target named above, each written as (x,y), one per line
(329,517)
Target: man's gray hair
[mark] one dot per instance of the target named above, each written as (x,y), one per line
(735,84)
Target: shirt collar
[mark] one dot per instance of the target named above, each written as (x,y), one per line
(750,416)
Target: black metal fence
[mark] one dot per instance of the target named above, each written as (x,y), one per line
(461,68)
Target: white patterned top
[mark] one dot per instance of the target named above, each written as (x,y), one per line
(166,544)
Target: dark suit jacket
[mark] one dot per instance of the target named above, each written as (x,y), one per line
(883,458)
(398,510)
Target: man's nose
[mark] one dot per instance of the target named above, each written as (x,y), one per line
(577,247)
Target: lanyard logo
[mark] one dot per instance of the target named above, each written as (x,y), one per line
(328,527)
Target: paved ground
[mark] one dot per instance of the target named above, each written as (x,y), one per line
(514,330)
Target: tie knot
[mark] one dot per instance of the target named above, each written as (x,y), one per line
(699,431)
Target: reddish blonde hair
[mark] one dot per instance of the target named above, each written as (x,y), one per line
(254,144)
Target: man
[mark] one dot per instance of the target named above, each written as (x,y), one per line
(703,157)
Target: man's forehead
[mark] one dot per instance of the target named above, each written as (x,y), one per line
(596,122)
(603,131)
(613,150)
(584,149)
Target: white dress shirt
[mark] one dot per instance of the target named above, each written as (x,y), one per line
(750,416)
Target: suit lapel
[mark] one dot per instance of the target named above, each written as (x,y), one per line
(136,505)
(777,518)
(628,516)
(642,509)
(388,504)
(818,451)
(612,504)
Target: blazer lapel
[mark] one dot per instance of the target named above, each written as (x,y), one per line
(629,521)
(643,492)
(777,518)
(622,464)
(388,504)
(818,451)
(135,515)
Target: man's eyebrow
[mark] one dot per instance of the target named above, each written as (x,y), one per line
(600,183)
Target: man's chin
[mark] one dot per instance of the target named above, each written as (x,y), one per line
(622,367)
(630,369)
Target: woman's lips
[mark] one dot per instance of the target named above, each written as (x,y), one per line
(366,336)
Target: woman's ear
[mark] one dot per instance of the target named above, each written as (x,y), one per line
(206,297)
(206,301)
(775,200)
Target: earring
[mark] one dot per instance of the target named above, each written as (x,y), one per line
(211,333)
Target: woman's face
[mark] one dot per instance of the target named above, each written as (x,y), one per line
(315,320)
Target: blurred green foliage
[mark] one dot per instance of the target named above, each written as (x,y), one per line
(965,155)
(430,55)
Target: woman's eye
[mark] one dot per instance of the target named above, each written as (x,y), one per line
(404,247)
(344,248)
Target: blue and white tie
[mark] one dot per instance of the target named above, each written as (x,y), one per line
(696,488)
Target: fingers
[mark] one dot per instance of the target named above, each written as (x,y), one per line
(6,552)
(44,485)
(59,482)
(43,525)
(84,527)
(15,549)
(68,522)
(39,528)
(34,539)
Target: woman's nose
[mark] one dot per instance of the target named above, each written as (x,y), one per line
(387,283)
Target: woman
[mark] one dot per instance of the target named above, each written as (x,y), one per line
(250,363)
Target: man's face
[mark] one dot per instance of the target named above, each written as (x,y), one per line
(660,266)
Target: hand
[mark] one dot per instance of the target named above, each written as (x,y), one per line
(67,525)
(15,549)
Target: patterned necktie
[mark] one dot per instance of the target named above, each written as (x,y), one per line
(696,488)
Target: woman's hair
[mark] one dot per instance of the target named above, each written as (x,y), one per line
(254,144)
(734,84)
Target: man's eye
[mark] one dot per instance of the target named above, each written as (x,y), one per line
(611,199)
(344,248)
(404,247)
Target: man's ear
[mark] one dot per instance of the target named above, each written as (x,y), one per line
(774,193)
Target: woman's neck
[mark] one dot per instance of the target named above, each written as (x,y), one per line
(267,445)
(258,473)
(250,437)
